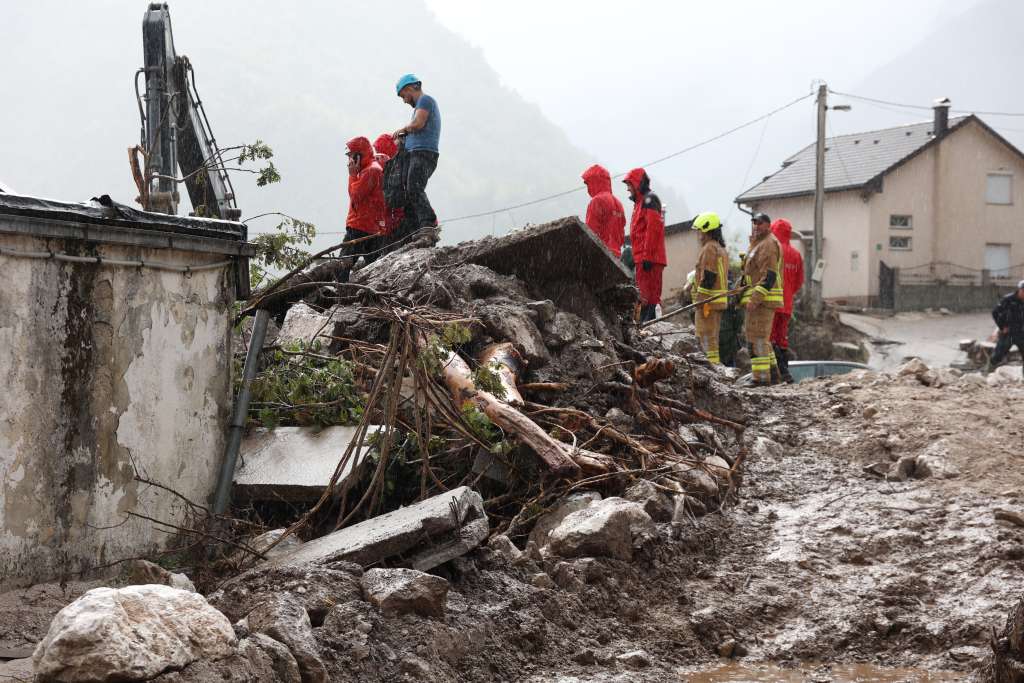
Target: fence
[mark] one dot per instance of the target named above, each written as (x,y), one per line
(944,285)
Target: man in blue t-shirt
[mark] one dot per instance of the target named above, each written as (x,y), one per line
(421,136)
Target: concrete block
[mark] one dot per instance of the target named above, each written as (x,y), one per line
(564,248)
(293,463)
(420,536)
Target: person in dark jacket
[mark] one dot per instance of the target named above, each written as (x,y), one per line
(366,209)
(605,215)
(647,230)
(1009,317)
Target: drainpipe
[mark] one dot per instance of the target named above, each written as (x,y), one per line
(227,471)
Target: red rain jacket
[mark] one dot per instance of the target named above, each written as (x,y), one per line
(647,227)
(365,191)
(792,264)
(605,215)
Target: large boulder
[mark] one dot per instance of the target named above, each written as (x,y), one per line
(568,505)
(304,325)
(131,634)
(318,588)
(653,500)
(613,527)
(405,591)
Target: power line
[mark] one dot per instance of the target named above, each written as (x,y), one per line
(923,107)
(673,155)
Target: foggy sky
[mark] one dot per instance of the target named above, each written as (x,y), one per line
(626,84)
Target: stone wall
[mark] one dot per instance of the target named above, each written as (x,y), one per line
(107,371)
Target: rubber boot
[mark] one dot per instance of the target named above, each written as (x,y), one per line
(648,312)
(776,375)
(782,358)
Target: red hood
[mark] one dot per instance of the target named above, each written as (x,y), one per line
(638,180)
(385,145)
(782,230)
(597,179)
(364,148)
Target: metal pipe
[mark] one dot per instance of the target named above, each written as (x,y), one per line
(241,410)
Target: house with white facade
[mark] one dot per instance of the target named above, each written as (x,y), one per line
(939,203)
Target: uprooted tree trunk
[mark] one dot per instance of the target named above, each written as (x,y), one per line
(562,459)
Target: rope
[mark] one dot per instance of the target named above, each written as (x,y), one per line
(99,260)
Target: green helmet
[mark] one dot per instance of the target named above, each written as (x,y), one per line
(707,221)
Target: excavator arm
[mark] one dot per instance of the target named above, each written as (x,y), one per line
(176,135)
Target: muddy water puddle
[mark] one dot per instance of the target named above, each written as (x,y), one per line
(846,673)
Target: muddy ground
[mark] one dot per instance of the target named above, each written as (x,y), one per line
(819,561)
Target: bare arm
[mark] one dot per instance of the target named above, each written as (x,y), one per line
(419,120)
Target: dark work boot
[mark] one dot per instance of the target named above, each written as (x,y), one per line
(782,358)
(648,313)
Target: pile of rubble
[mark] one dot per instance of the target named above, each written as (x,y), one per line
(534,456)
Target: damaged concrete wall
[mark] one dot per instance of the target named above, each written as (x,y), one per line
(105,369)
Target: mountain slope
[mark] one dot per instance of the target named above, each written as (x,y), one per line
(304,78)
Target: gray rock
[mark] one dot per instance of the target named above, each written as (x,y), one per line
(655,502)
(613,527)
(303,324)
(586,657)
(504,547)
(763,447)
(695,481)
(547,522)
(718,467)
(142,572)
(905,467)
(318,588)
(635,659)
(454,522)
(262,542)
(541,580)
(869,412)
(284,619)
(270,660)
(405,591)
(566,577)
(414,668)
(131,634)
(545,310)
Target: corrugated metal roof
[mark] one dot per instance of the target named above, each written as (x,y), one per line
(850,160)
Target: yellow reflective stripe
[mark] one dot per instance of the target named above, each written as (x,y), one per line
(723,279)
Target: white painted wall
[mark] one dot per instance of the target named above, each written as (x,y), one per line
(105,369)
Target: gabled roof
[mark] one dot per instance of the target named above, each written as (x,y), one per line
(676,228)
(853,161)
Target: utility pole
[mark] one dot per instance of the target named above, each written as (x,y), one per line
(817,303)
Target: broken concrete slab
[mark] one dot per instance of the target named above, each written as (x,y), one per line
(293,464)
(562,248)
(421,536)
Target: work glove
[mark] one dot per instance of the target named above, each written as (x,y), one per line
(647,265)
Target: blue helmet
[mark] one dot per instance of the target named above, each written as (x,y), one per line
(407,79)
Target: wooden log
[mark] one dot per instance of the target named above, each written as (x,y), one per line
(507,363)
(459,379)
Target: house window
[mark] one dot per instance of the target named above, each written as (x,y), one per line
(999,188)
(899,243)
(901,222)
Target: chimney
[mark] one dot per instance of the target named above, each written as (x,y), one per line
(941,109)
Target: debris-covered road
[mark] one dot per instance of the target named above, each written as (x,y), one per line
(597,504)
